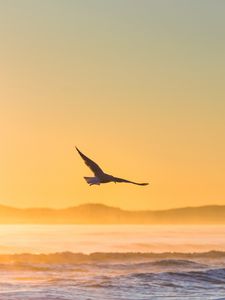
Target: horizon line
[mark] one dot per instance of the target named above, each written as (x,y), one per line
(109,206)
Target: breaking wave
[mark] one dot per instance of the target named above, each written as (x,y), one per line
(215,276)
(78,276)
(70,257)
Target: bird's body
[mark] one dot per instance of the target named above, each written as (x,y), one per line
(100,176)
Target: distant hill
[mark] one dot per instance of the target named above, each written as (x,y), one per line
(102,214)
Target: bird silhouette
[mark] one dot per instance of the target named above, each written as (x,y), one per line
(100,176)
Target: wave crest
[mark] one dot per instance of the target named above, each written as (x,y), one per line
(70,257)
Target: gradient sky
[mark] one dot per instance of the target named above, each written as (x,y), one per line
(138,86)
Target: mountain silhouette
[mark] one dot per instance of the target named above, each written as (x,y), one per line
(102,214)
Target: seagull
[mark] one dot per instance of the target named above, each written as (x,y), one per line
(100,176)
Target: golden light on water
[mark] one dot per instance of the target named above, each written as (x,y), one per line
(86,239)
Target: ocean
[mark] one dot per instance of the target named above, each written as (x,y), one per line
(111,262)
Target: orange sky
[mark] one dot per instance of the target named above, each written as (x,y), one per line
(138,88)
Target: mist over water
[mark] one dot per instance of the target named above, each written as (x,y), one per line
(111,238)
(112,262)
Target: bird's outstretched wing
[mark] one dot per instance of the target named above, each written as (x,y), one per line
(91,164)
(128,181)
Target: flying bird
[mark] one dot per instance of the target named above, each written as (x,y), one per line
(100,176)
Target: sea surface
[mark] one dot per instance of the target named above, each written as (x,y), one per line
(110,262)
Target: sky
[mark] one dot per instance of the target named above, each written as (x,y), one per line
(138,86)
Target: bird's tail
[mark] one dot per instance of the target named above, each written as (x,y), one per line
(92,180)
